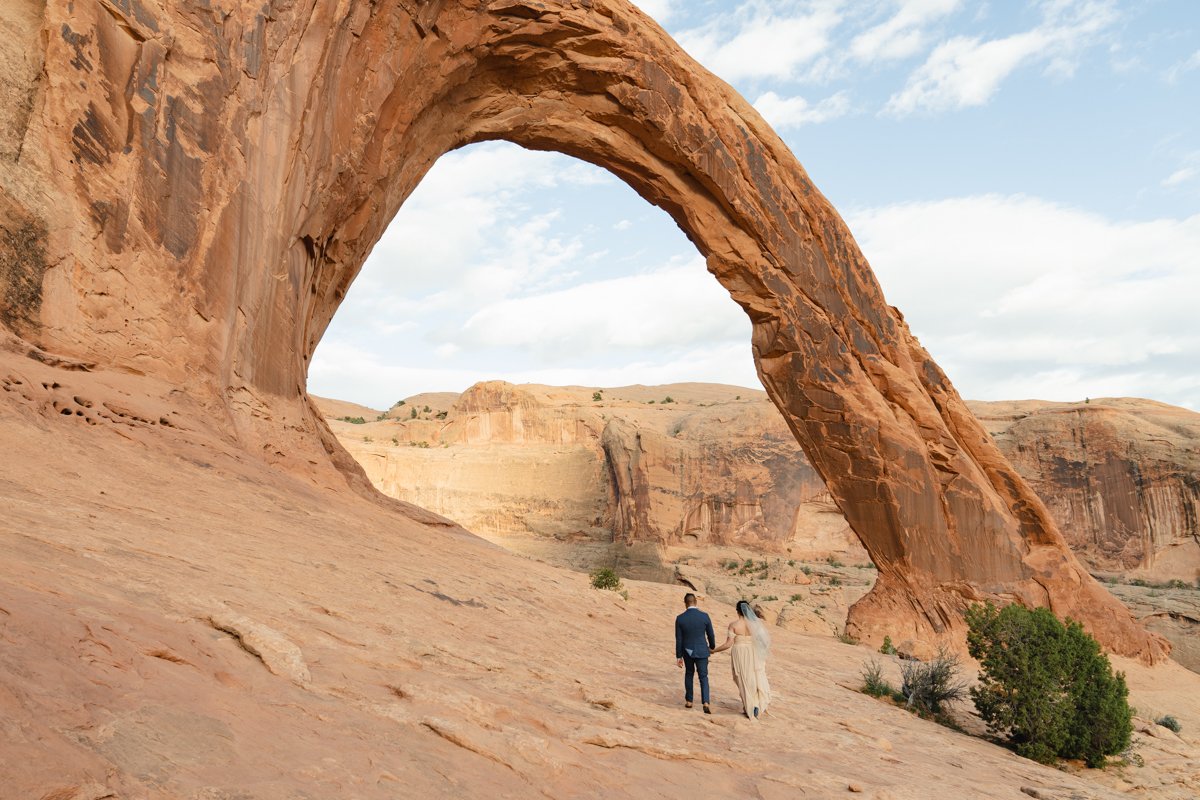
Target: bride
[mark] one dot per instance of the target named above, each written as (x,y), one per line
(749,643)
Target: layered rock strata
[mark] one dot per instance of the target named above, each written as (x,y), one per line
(197,184)
(717,467)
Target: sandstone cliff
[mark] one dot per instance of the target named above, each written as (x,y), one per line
(714,466)
(1121,477)
(718,467)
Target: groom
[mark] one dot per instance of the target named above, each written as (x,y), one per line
(693,639)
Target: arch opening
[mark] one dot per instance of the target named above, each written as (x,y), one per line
(470,295)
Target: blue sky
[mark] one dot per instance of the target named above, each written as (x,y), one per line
(1024,178)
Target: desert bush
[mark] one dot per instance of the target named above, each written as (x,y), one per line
(929,686)
(846,638)
(597,397)
(668,399)
(398,403)
(1169,722)
(796,598)
(887,648)
(806,569)
(413,413)
(1178,584)
(606,578)
(874,683)
(1046,686)
(835,581)
(769,598)
(833,562)
(353,420)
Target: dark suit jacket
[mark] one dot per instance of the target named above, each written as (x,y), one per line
(694,634)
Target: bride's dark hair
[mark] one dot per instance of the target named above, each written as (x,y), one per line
(744,610)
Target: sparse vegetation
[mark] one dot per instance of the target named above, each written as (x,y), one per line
(381,417)
(398,403)
(396,441)
(833,562)
(887,648)
(441,414)
(1169,722)
(353,420)
(929,686)
(597,397)
(791,562)
(1046,686)
(769,598)
(422,444)
(413,415)
(806,569)
(368,439)
(668,399)
(874,683)
(846,638)
(835,581)
(606,578)
(796,598)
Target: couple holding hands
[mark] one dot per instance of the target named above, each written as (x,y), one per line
(748,643)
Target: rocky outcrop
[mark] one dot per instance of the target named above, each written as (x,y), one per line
(714,466)
(1120,476)
(206,179)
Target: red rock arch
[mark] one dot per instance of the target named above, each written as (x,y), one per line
(240,184)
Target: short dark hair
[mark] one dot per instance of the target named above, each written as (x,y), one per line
(689,599)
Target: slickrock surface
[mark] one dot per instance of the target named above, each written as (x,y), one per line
(197,182)
(148,558)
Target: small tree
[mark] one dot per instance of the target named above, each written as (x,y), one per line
(413,414)
(1046,686)
(929,687)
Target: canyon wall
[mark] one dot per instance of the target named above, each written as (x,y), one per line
(717,467)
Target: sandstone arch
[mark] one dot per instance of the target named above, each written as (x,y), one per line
(212,176)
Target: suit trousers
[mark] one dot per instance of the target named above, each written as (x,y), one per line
(695,666)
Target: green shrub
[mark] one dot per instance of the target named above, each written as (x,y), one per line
(796,598)
(597,397)
(770,597)
(667,399)
(605,578)
(413,415)
(874,683)
(1170,723)
(835,581)
(1178,584)
(833,562)
(353,420)
(1046,686)
(846,638)
(929,686)
(398,403)
(887,648)
(806,569)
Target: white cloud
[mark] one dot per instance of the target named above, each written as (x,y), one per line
(794,112)
(1018,297)
(902,35)
(967,71)
(764,40)
(677,306)
(659,10)
(1187,65)
(1180,176)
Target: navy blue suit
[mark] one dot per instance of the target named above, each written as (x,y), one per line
(694,639)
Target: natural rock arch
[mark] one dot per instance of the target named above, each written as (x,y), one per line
(212,177)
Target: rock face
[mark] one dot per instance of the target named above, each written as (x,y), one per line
(1121,477)
(717,466)
(714,466)
(197,183)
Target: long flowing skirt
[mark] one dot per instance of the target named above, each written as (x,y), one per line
(745,676)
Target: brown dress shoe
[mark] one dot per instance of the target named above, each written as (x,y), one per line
(707,710)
